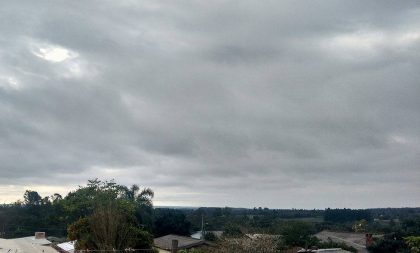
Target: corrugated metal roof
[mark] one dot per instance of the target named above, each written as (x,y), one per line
(67,246)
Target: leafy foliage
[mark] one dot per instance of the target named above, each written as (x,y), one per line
(245,245)
(396,241)
(102,215)
(170,221)
(209,236)
(413,243)
(32,198)
(389,245)
(112,223)
(297,233)
(232,230)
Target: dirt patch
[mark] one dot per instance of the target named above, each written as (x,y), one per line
(356,240)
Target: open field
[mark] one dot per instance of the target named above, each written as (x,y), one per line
(356,240)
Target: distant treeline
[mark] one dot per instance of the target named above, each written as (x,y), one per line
(394,213)
(129,210)
(53,214)
(215,215)
(267,220)
(347,215)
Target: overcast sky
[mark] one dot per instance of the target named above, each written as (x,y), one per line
(280,104)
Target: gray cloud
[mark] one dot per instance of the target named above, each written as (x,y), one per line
(224,103)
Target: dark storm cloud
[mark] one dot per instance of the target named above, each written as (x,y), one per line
(280,104)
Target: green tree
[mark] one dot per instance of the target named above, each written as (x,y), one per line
(32,198)
(170,221)
(359,226)
(55,198)
(109,227)
(210,236)
(107,217)
(232,230)
(413,243)
(297,233)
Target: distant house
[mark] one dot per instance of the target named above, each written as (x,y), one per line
(164,243)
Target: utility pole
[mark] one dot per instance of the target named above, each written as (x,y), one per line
(202,226)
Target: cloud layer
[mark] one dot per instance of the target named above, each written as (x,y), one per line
(222,103)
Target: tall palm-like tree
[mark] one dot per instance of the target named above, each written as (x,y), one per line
(143,197)
(130,193)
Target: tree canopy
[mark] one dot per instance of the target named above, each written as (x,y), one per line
(108,216)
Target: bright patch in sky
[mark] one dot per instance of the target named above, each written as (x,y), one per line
(54,54)
(359,41)
(9,82)
(398,139)
(409,38)
(362,44)
(68,64)
(12,193)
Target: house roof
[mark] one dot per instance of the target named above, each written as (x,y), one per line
(67,246)
(26,245)
(165,242)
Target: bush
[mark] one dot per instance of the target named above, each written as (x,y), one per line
(209,236)
(232,230)
(245,245)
